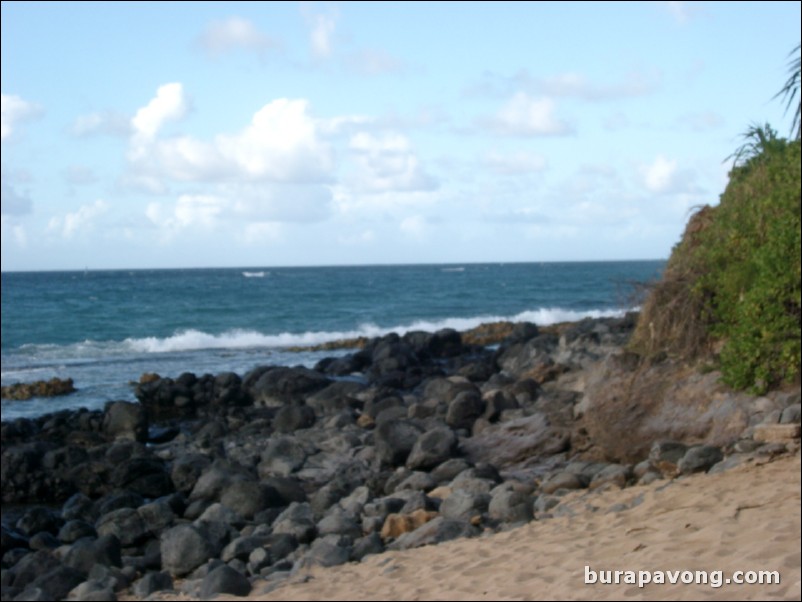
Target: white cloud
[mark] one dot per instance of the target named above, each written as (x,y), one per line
(526,116)
(169,104)
(280,144)
(14,110)
(416,227)
(80,221)
(679,10)
(659,176)
(106,123)
(388,163)
(322,28)
(232,34)
(514,163)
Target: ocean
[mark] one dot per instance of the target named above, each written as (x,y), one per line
(104,329)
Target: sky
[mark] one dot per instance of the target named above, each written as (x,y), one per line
(215,134)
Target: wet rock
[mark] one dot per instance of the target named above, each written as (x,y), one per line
(39,388)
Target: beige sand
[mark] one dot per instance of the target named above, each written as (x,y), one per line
(746,519)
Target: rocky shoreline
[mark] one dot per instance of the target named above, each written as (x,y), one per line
(222,480)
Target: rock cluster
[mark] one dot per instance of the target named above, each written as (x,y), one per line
(40,388)
(409,441)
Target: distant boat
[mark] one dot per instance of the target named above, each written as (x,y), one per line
(453,270)
(253,274)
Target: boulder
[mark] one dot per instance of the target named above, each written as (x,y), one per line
(510,505)
(433,532)
(464,505)
(184,548)
(432,448)
(283,456)
(291,418)
(664,456)
(464,409)
(125,420)
(699,458)
(396,525)
(247,498)
(224,580)
(276,386)
(126,524)
(151,583)
(297,520)
(395,439)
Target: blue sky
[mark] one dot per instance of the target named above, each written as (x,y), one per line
(262,134)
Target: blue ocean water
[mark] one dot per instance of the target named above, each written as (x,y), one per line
(105,328)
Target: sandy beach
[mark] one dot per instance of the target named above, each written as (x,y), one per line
(745,519)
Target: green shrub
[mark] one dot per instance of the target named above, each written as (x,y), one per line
(751,252)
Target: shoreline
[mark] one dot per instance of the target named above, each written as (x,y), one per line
(282,470)
(695,523)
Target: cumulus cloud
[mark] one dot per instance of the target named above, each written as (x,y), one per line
(234,33)
(106,123)
(514,163)
(660,175)
(280,144)
(82,220)
(13,111)
(169,104)
(386,163)
(523,115)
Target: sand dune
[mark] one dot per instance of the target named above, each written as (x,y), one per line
(747,519)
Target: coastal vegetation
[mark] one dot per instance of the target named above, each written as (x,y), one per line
(730,292)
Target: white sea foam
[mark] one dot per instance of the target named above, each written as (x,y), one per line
(198,340)
(191,340)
